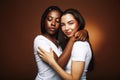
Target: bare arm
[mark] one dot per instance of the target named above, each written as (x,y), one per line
(80,35)
(76,68)
(64,57)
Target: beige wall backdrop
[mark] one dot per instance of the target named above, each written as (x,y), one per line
(20,24)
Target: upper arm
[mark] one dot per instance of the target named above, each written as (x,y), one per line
(78,60)
(40,43)
(79,51)
(77,69)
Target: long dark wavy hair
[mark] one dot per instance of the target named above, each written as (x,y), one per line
(63,40)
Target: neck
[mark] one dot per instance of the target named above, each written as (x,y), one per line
(51,38)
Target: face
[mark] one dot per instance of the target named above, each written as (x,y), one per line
(69,25)
(52,22)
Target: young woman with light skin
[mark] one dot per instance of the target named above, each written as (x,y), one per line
(81,55)
(50,24)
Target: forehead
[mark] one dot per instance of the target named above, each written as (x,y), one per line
(67,17)
(54,13)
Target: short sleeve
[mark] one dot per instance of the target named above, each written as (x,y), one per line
(38,42)
(79,51)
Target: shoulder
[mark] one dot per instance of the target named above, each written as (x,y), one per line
(80,44)
(80,50)
(42,42)
(80,47)
(40,38)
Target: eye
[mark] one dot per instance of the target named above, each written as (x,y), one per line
(62,24)
(58,20)
(49,18)
(71,22)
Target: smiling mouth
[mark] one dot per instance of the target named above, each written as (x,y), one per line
(67,33)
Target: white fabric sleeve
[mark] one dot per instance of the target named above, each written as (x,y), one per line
(41,43)
(79,51)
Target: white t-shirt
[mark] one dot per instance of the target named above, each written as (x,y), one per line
(45,72)
(81,51)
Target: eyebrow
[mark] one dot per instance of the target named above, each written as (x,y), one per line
(49,16)
(67,22)
(70,21)
(53,17)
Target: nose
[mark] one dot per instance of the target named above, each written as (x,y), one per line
(53,23)
(66,27)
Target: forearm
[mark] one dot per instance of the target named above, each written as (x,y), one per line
(63,59)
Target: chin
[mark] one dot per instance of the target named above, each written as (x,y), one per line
(69,36)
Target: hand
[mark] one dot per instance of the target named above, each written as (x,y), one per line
(82,35)
(48,57)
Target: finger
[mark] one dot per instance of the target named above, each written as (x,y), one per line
(80,36)
(51,51)
(83,38)
(77,34)
(38,50)
(42,50)
(41,54)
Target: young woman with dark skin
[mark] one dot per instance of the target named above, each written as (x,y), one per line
(81,54)
(50,24)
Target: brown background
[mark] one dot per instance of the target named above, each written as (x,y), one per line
(20,22)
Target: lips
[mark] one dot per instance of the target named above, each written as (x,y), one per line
(52,29)
(67,33)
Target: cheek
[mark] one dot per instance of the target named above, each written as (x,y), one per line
(63,29)
(46,23)
(58,25)
(74,28)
